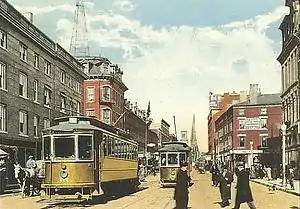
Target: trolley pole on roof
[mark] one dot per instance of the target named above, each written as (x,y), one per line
(175,127)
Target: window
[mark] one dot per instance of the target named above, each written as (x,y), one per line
(64,147)
(62,76)
(106,116)
(182,157)
(90,112)
(263,111)
(105,93)
(23,52)
(3,39)
(35,125)
(241,141)
(241,111)
(163,159)
(78,107)
(172,159)
(263,140)
(46,123)
(241,123)
(62,102)
(23,85)
(90,94)
(36,63)
(263,123)
(2,76)
(47,95)
(35,90)
(46,148)
(85,147)
(23,127)
(2,117)
(47,68)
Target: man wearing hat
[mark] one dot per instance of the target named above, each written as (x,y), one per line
(31,165)
(243,190)
(225,180)
(181,193)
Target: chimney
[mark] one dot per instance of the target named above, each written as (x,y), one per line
(243,96)
(254,92)
(29,16)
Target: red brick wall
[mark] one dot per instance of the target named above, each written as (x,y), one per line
(273,124)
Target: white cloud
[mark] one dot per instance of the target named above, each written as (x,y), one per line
(124,5)
(180,65)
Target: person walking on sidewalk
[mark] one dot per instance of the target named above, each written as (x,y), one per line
(214,175)
(243,191)
(291,177)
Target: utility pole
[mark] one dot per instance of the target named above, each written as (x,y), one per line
(79,41)
(283,128)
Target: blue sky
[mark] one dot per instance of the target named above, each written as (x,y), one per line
(174,52)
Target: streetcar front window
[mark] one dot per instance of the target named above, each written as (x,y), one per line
(172,159)
(182,158)
(85,147)
(64,147)
(163,160)
(47,148)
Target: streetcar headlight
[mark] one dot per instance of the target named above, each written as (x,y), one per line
(63,174)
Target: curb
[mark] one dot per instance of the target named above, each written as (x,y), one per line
(277,187)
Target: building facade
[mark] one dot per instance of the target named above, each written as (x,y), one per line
(217,105)
(104,90)
(290,74)
(162,129)
(245,127)
(39,81)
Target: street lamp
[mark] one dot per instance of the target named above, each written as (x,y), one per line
(283,128)
(251,149)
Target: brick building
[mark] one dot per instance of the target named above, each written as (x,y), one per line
(135,124)
(290,87)
(251,121)
(218,104)
(39,81)
(103,91)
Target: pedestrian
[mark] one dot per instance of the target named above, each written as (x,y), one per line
(141,172)
(225,180)
(31,166)
(181,193)
(243,191)
(291,177)
(214,175)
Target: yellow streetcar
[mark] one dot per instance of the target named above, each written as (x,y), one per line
(170,156)
(84,158)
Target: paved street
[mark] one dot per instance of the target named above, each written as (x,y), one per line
(202,196)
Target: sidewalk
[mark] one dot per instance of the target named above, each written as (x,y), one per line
(278,184)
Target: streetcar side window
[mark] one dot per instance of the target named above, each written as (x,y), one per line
(113,146)
(64,147)
(85,147)
(108,141)
(47,148)
(182,158)
(129,151)
(172,159)
(105,145)
(163,160)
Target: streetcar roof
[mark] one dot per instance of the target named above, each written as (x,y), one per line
(71,127)
(174,147)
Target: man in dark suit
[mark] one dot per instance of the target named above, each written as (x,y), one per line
(181,193)
(225,180)
(243,191)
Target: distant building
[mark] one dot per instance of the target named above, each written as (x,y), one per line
(251,121)
(162,130)
(217,106)
(184,136)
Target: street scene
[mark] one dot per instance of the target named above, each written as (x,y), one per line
(148,104)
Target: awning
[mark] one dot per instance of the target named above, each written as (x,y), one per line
(3,154)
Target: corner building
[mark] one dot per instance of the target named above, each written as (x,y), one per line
(39,81)
(251,121)
(290,88)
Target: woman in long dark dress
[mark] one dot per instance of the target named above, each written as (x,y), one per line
(181,193)
(225,180)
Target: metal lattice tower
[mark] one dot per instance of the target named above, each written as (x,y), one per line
(79,41)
